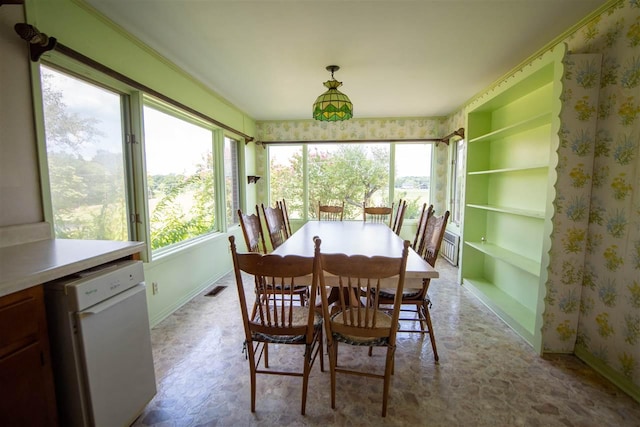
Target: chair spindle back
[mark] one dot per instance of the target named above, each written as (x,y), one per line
(330,212)
(378,214)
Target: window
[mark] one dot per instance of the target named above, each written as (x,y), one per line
(231,183)
(323,176)
(457,179)
(116,172)
(330,173)
(180,176)
(286,177)
(84,131)
(413,176)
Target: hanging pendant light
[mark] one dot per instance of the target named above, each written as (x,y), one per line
(333,105)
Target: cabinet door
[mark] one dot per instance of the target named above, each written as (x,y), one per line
(26,378)
(20,322)
(23,382)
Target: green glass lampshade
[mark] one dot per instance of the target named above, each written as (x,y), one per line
(333,105)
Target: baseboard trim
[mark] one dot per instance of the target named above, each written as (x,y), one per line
(615,377)
(168,311)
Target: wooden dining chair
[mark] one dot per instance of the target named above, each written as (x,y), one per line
(252,231)
(429,245)
(282,204)
(418,299)
(330,212)
(422,224)
(274,220)
(355,318)
(378,214)
(399,217)
(276,228)
(254,239)
(277,320)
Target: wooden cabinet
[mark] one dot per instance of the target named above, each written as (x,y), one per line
(26,379)
(510,177)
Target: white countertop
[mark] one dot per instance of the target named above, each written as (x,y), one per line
(25,265)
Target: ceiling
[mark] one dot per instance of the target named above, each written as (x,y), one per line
(397,58)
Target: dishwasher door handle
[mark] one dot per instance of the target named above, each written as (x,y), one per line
(105,305)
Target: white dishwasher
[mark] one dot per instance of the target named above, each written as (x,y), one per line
(101,345)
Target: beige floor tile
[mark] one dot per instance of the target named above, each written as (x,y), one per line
(487,375)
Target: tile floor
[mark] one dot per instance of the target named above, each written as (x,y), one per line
(487,375)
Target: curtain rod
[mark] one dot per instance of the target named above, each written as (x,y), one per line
(40,43)
(444,139)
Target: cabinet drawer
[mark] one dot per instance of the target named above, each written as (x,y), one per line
(19,321)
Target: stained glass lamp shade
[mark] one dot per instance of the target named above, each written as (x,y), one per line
(333,105)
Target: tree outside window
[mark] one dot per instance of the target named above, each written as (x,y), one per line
(180,178)
(413,176)
(286,177)
(84,144)
(353,173)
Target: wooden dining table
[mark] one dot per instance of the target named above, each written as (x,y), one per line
(357,238)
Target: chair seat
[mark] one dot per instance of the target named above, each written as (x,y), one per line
(406,294)
(383,321)
(296,288)
(299,316)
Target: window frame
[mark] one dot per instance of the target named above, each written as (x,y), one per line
(133,153)
(236,158)
(305,150)
(65,65)
(218,177)
(457,172)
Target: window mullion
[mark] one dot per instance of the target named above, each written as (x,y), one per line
(218,167)
(392,172)
(130,140)
(139,173)
(305,185)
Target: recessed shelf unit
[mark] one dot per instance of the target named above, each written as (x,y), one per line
(511,161)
